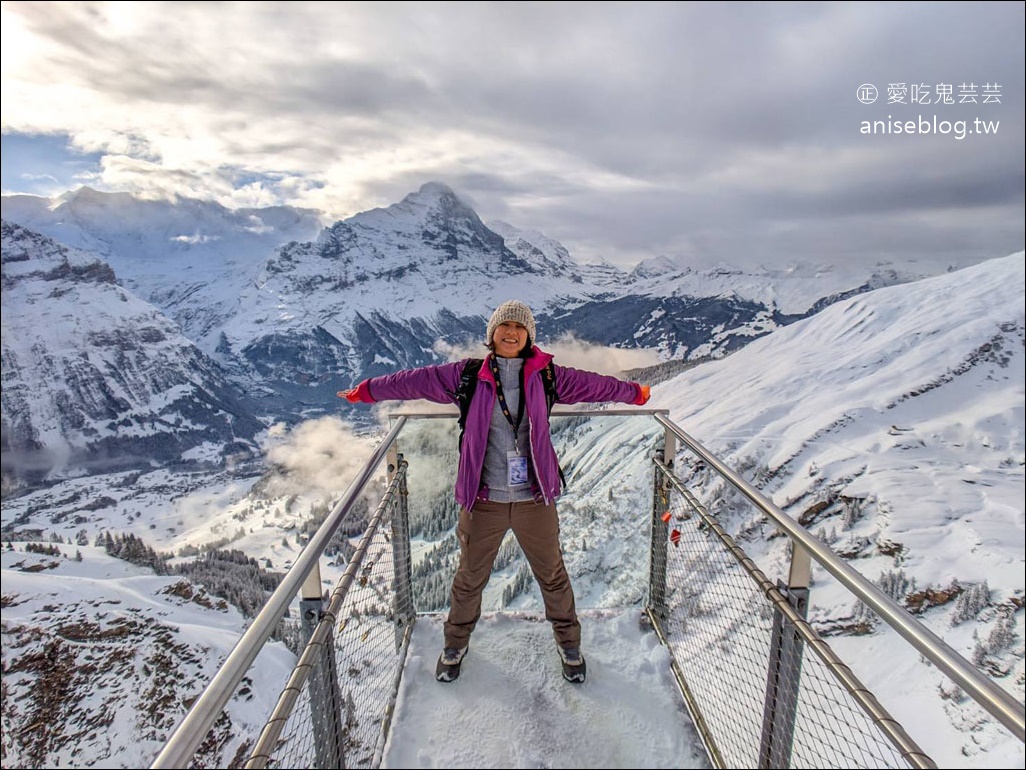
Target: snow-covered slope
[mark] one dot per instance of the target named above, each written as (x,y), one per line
(99,657)
(793,289)
(892,426)
(95,379)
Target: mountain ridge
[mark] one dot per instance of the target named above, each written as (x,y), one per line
(291,323)
(94,378)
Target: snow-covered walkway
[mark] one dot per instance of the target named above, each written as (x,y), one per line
(511,708)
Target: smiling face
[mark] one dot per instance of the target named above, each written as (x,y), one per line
(509,339)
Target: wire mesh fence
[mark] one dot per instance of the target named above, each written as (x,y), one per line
(765,689)
(335,710)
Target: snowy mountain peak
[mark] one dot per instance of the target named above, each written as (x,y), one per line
(439,197)
(435,188)
(437,215)
(26,253)
(657,266)
(543,253)
(86,195)
(429,238)
(280,300)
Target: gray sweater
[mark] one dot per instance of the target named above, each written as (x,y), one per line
(500,439)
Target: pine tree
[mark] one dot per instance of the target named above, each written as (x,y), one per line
(1002,635)
(896,584)
(852,513)
(970,603)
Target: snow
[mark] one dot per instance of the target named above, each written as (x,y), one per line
(511,707)
(226,281)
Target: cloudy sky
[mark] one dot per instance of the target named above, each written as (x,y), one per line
(704,131)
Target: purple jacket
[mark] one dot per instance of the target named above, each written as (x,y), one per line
(439,384)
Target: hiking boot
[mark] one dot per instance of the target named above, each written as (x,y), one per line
(448,668)
(574,667)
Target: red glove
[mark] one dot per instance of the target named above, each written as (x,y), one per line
(360,393)
(644,394)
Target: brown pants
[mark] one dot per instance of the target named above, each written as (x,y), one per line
(536,528)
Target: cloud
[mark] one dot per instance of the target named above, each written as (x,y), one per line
(570,351)
(716,132)
(319,458)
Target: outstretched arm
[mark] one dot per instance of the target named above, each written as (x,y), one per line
(575,386)
(432,383)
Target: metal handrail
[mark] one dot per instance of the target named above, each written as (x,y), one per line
(989,695)
(197,723)
(557,411)
(186,738)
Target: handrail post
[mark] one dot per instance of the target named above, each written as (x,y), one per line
(783,678)
(402,568)
(800,573)
(326,711)
(783,675)
(311,604)
(325,697)
(659,526)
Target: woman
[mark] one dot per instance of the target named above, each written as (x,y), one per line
(508,475)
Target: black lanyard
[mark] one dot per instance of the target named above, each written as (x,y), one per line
(502,398)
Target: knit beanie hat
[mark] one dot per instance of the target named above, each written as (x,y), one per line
(512,310)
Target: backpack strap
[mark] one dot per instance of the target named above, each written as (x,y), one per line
(465,390)
(549,379)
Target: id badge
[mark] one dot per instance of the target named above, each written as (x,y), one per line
(516,469)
